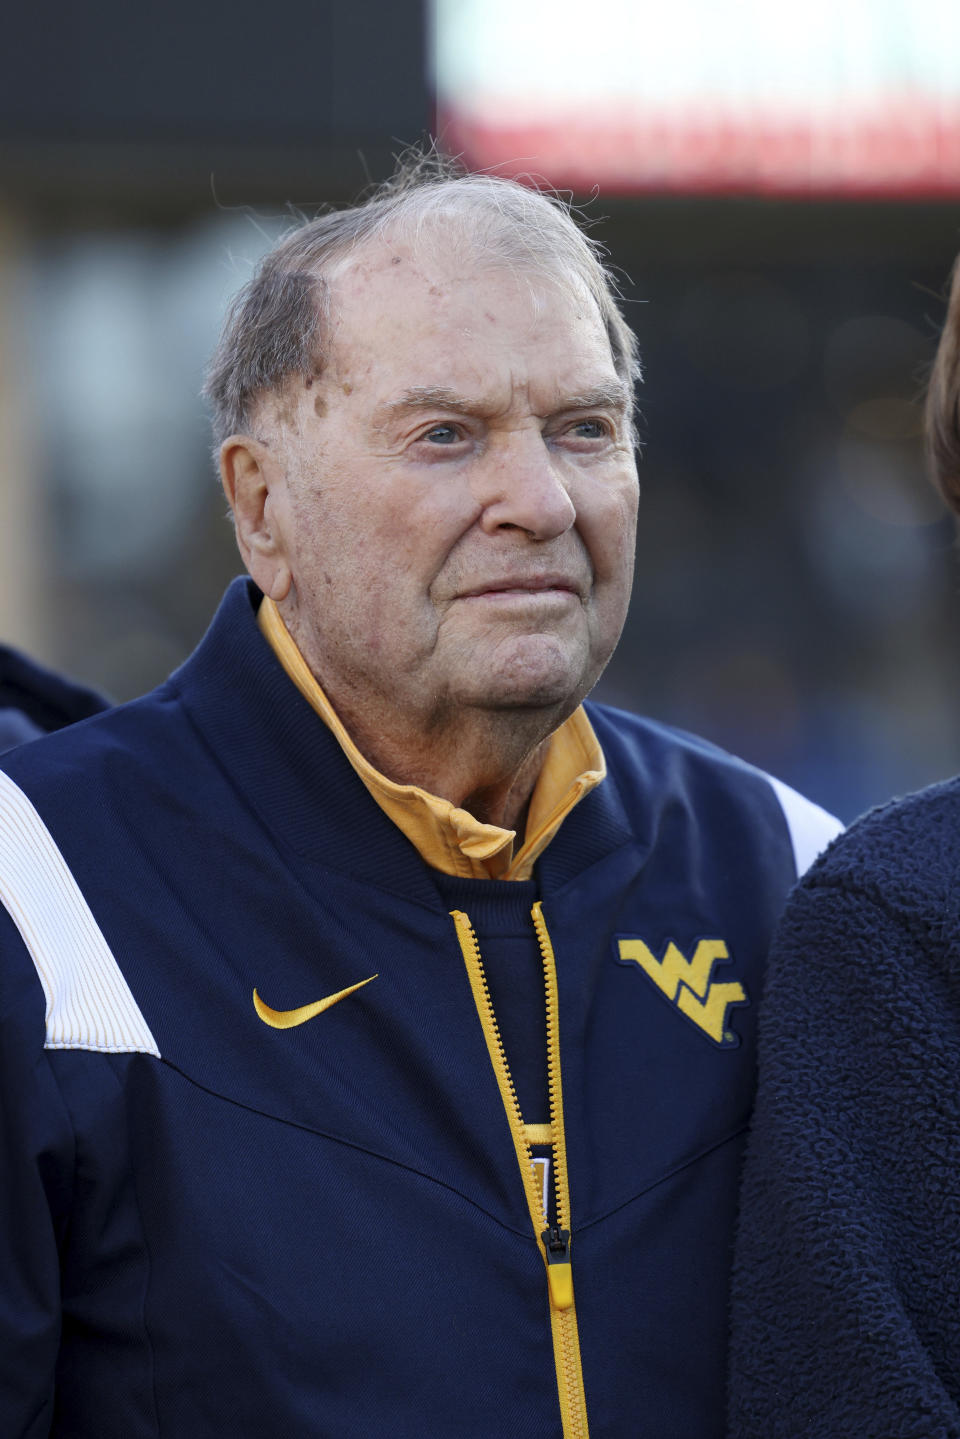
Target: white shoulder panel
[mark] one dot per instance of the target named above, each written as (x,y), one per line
(811,828)
(89,1004)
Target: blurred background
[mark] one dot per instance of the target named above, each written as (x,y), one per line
(779,188)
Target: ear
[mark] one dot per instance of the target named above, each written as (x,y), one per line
(254,483)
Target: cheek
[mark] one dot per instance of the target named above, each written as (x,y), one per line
(609,528)
(424,533)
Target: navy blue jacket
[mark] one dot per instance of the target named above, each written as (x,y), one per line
(215,1227)
(847,1293)
(35,700)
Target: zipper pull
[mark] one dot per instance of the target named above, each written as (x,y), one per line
(556,1242)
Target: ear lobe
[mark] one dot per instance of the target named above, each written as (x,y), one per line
(254,484)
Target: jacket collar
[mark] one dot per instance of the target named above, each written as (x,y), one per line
(289,766)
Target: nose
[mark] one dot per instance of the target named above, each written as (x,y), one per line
(519,486)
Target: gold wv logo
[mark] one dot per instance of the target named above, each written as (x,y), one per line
(689,984)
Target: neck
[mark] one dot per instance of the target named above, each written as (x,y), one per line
(486,761)
(487,764)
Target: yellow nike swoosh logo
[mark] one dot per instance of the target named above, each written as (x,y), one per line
(288,1018)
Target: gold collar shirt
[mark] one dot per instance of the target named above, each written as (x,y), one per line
(449,838)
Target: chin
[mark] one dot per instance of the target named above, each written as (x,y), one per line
(557,699)
(538,681)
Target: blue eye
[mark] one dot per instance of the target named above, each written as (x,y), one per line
(442,435)
(591,429)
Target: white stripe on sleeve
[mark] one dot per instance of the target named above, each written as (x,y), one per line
(811,828)
(89,1004)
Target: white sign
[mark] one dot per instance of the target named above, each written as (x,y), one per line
(854,95)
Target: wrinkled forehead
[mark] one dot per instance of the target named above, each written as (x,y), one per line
(432,264)
(411,330)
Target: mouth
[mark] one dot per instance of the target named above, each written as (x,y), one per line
(524,587)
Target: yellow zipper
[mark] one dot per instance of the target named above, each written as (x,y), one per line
(554,1241)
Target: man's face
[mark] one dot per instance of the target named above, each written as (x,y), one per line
(461,492)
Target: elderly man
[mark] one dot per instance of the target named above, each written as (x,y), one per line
(377,1020)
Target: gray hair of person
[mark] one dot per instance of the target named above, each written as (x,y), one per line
(274,329)
(943,403)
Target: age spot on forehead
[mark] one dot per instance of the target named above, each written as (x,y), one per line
(347,387)
(319,406)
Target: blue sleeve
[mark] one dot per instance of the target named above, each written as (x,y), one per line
(36,1178)
(846,1306)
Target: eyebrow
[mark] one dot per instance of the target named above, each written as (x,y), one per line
(617,396)
(429,397)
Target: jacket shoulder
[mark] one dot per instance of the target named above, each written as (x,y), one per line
(659,755)
(35,700)
(86,753)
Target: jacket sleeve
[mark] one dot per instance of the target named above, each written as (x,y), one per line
(36,1176)
(846,1305)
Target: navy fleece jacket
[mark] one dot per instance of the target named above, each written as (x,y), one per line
(847,1293)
